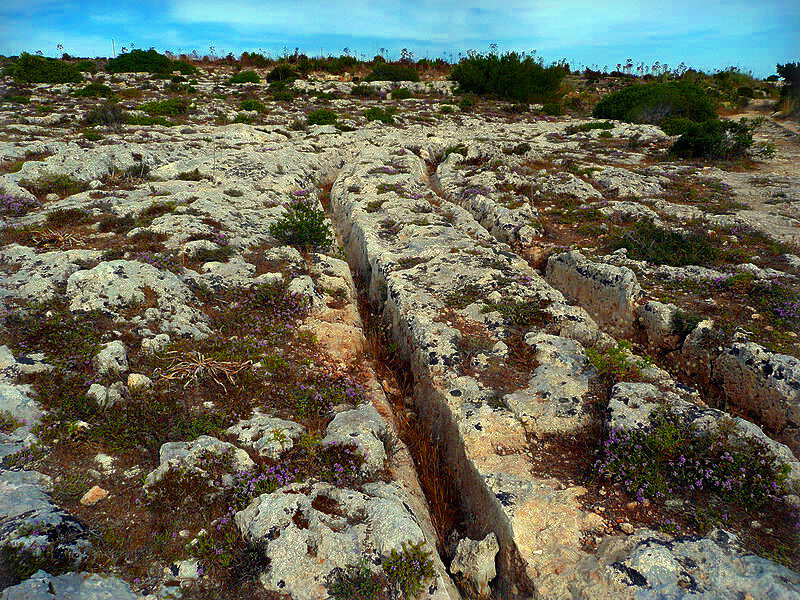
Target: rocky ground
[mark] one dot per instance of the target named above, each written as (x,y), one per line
(537,359)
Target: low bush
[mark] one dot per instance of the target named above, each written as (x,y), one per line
(392,72)
(363,91)
(379,114)
(282,72)
(656,102)
(95,90)
(584,127)
(166,108)
(401,94)
(715,139)
(251,104)
(282,96)
(147,61)
(53,183)
(647,241)
(553,109)
(106,115)
(303,226)
(321,116)
(16,99)
(148,121)
(38,69)
(671,458)
(245,77)
(467,103)
(86,66)
(511,76)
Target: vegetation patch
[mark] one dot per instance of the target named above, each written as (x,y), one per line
(655,102)
(647,241)
(53,183)
(29,68)
(304,226)
(512,76)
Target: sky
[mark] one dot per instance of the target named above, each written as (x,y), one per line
(752,35)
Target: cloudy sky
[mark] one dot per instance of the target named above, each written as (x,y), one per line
(753,35)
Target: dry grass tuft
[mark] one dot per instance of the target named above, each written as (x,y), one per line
(195,365)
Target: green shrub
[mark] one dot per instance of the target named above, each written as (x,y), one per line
(251,104)
(655,102)
(363,91)
(183,67)
(358,582)
(92,135)
(38,69)
(392,72)
(401,94)
(715,139)
(378,114)
(615,364)
(148,121)
(167,108)
(95,90)
(552,108)
(147,61)
(409,569)
(282,72)
(583,127)
(647,241)
(86,66)
(53,183)
(512,76)
(245,77)
(303,226)
(15,99)
(194,175)
(467,103)
(106,115)
(243,118)
(321,116)
(282,96)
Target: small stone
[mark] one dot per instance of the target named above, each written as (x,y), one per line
(105,461)
(626,528)
(93,496)
(137,380)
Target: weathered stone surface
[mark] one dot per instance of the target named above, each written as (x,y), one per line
(118,284)
(189,456)
(474,562)
(365,428)
(268,436)
(70,586)
(305,543)
(766,384)
(29,521)
(651,566)
(607,292)
(554,400)
(112,358)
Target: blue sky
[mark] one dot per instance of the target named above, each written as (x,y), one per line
(701,33)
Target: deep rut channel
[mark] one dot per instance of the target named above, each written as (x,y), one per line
(494,386)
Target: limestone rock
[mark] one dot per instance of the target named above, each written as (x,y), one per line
(474,561)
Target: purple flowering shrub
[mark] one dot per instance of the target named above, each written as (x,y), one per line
(409,569)
(779,300)
(317,398)
(671,459)
(15,206)
(403,575)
